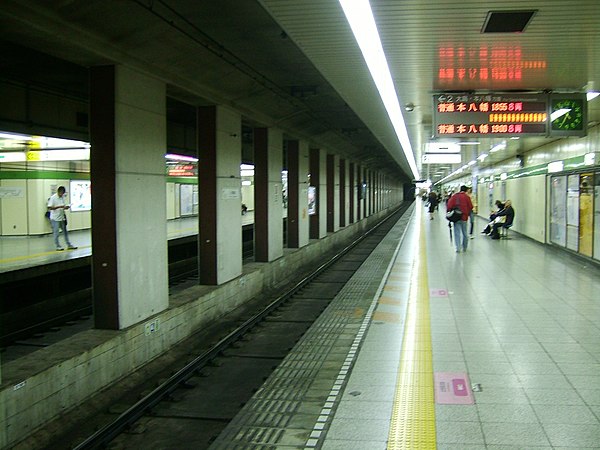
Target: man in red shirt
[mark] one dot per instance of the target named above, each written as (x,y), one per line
(463,202)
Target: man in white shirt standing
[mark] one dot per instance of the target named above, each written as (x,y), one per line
(58,219)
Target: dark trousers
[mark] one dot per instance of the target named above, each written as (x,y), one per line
(495,228)
(472,220)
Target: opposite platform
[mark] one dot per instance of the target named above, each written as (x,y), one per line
(20,252)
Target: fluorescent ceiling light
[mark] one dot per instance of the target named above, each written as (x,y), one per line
(246,166)
(559,113)
(12,157)
(47,143)
(482,157)
(441,158)
(470,163)
(498,147)
(76,154)
(19,137)
(592,95)
(442,147)
(360,17)
(176,157)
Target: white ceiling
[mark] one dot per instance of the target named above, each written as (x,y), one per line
(294,63)
(558,51)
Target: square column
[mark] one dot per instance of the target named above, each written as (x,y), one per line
(367,189)
(369,183)
(219,192)
(386,199)
(318,180)
(268,201)
(381,192)
(377,192)
(298,220)
(332,224)
(342,194)
(365,192)
(358,188)
(351,192)
(371,193)
(129,226)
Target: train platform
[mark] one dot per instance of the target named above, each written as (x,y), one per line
(494,348)
(20,252)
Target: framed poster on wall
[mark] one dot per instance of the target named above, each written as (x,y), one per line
(573,212)
(80,195)
(186,199)
(312,200)
(558,210)
(596,254)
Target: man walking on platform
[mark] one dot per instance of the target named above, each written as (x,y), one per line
(462,201)
(58,218)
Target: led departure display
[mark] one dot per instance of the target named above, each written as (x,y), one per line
(457,115)
(487,66)
(182,170)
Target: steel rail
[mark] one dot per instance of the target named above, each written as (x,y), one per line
(110,431)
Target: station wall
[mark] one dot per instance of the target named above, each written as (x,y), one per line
(23,214)
(527,187)
(26,187)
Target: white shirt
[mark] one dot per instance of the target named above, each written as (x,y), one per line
(57,214)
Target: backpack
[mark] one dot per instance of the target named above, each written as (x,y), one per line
(454,215)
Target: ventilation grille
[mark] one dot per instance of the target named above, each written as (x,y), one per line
(507,21)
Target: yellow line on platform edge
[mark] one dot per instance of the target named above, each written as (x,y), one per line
(38,255)
(413,413)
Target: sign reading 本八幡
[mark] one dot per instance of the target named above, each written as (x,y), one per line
(464,114)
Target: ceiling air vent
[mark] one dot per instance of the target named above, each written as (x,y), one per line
(507,21)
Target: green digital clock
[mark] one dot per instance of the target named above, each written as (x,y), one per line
(570,114)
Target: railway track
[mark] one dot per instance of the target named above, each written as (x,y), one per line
(194,404)
(39,307)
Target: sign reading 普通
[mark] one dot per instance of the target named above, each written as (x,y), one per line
(460,115)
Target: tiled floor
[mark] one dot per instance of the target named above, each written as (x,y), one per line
(520,319)
(18,252)
(523,320)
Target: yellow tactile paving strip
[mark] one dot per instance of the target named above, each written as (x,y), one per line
(413,414)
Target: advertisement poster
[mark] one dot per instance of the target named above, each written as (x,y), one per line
(573,212)
(586,214)
(80,195)
(312,200)
(597,216)
(362,191)
(186,199)
(558,211)
(284,188)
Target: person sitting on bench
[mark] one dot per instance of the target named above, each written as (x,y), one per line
(493,214)
(509,213)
